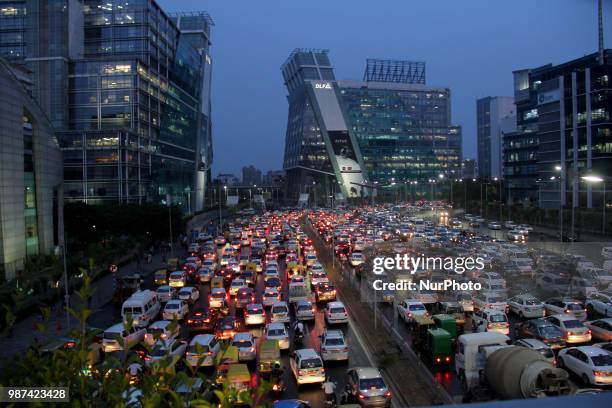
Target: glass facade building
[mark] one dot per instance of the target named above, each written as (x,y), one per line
(399,128)
(563,121)
(133,125)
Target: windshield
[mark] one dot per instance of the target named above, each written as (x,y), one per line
(132,310)
(337,310)
(311,363)
(498,318)
(416,307)
(572,324)
(242,343)
(279,309)
(550,331)
(171,306)
(574,306)
(371,383)
(276,332)
(334,342)
(602,360)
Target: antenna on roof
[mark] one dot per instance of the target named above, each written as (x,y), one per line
(600,31)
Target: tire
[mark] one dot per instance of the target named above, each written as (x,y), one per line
(560,363)
(585,380)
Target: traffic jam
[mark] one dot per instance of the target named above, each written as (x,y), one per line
(247,305)
(547,309)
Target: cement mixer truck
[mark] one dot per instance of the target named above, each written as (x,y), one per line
(489,368)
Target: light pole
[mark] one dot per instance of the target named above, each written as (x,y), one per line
(592,178)
(561,180)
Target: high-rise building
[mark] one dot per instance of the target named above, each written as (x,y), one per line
(564,131)
(357,137)
(274,178)
(225,179)
(129,95)
(30,175)
(251,176)
(469,169)
(495,115)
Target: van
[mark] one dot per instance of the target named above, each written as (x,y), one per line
(142,307)
(238,379)
(115,337)
(472,348)
(307,367)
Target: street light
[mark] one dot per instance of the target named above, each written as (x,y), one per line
(592,178)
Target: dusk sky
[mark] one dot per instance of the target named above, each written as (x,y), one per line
(470,46)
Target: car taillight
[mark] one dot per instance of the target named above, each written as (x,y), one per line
(489,326)
(569,333)
(361,396)
(388,394)
(189,321)
(147,358)
(598,373)
(300,372)
(252,349)
(210,353)
(567,311)
(588,331)
(438,360)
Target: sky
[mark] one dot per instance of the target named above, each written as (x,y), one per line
(470,46)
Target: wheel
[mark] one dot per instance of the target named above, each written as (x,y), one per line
(585,380)
(560,363)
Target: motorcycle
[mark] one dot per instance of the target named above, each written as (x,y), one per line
(276,380)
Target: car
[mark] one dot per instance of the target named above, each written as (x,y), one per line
(277,331)
(270,296)
(165,293)
(317,278)
(356,259)
(115,337)
(509,225)
(601,329)
(494,226)
(336,313)
(161,330)
(244,297)
(368,388)
(490,320)
(202,350)
(600,303)
(515,236)
(409,308)
(169,351)
(307,366)
(189,294)
(542,330)
(248,277)
(273,283)
(177,279)
(538,346)
(526,306)
(574,331)
(592,364)
(280,312)
(465,301)
(304,310)
(325,292)
(334,346)
(205,274)
(202,319)
(572,307)
(474,224)
(217,298)
(254,314)
(271,271)
(490,300)
(245,343)
(175,309)
(226,328)
(236,285)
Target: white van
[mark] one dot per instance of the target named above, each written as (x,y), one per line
(142,307)
(113,336)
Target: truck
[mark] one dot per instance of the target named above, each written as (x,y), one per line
(490,368)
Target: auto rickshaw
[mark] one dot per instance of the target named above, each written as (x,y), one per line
(420,326)
(453,309)
(446,322)
(217,282)
(269,354)
(438,346)
(172,264)
(160,277)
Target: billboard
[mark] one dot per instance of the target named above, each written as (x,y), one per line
(549,96)
(346,159)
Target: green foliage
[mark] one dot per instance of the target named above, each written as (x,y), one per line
(93,383)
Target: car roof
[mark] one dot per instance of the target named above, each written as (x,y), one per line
(276,325)
(564,318)
(243,336)
(334,333)
(592,350)
(335,304)
(202,339)
(217,290)
(535,343)
(160,323)
(367,372)
(307,353)
(173,301)
(279,303)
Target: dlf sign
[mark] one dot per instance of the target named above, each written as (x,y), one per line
(323,85)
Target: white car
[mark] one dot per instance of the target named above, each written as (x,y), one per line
(280,312)
(409,308)
(236,285)
(490,300)
(491,320)
(203,349)
(526,306)
(217,298)
(574,331)
(270,296)
(600,303)
(515,236)
(161,330)
(245,343)
(277,331)
(177,279)
(494,226)
(356,259)
(318,277)
(205,274)
(169,351)
(601,329)
(565,306)
(592,364)
(307,367)
(465,300)
(334,346)
(189,294)
(311,259)
(335,313)
(270,272)
(165,293)
(539,346)
(304,310)
(175,309)
(509,225)
(254,314)
(118,335)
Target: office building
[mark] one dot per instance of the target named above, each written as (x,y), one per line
(365,137)
(30,175)
(494,117)
(132,104)
(274,178)
(251,176)
(564,132)
(469,169)
(227,180)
